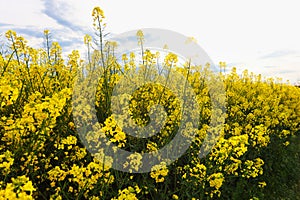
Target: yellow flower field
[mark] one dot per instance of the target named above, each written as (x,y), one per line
(43,156)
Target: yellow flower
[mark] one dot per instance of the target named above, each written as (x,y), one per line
(216,180)
(98,14)
(152,146)
(140,37)
(127,194)
(70,189)
(135,162)
(159,172)
(70,140)
(262,184)
(28,187)
(87,39)
(253,168)
(46,32)
(287,143)
(52,184)
(170,59)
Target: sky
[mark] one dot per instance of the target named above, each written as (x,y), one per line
(259,35)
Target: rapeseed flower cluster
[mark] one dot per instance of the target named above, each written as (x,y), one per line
(159,172)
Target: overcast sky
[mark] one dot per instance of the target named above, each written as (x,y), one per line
(261,36)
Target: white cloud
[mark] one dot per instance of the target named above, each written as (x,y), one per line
(24,13)
(232,31)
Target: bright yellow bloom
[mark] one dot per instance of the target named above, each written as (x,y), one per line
(216,180)
(159,172)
